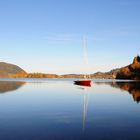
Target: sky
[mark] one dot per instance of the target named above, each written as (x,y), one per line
(47,35)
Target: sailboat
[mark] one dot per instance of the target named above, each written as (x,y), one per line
(86,81)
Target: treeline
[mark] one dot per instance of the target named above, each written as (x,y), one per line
(34,75)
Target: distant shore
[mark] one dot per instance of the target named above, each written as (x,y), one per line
(130,72)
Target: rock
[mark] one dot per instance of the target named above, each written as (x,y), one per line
(131,71)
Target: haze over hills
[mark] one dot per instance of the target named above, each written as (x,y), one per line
(131,71)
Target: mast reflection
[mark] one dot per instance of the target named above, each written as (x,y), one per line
(85,103)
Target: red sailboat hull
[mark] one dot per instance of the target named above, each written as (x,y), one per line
(83,83)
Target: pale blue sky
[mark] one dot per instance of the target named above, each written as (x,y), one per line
(45,35)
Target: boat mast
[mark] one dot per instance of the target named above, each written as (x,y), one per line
(86,57)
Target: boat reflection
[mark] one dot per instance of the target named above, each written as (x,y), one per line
(7,86)
(132,87)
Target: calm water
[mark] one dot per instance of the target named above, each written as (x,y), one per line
(58,110)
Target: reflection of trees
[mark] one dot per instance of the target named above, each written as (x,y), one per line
(6,86)
(132,87)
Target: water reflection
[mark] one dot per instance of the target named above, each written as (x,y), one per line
(61,110)
(7,86)
(132,87)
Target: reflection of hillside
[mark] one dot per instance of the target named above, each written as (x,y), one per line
(132,87)
(6,86)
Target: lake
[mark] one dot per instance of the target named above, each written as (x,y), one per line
(56,109)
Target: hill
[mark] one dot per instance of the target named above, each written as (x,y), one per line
(7,70)
(131,71)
